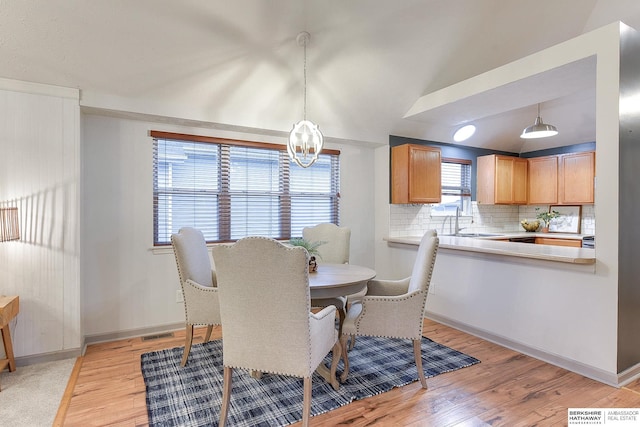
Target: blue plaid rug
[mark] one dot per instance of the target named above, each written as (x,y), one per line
(191,396)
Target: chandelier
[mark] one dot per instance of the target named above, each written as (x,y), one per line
(305,139)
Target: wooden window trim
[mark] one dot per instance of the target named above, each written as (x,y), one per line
(215,140)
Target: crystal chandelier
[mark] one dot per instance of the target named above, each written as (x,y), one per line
(305,139)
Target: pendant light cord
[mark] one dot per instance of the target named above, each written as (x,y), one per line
(304,115)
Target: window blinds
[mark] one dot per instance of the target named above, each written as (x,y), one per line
(456,177)
(229,191)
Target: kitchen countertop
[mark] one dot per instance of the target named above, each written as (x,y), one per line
(491,245)
(508,235)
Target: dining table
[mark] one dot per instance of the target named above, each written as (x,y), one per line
(337,280)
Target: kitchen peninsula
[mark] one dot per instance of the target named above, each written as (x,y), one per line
(523,296)
(497,245)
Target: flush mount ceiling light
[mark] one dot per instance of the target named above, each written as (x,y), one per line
(305,139)
(464,133)
(539,129)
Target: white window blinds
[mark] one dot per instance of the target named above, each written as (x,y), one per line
(456,187)
(232,189)
(456,177)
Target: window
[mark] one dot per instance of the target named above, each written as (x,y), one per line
(232,189)
(456,188)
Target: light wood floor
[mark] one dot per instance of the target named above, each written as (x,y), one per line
(505,389)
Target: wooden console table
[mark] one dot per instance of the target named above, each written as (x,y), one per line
(9,307)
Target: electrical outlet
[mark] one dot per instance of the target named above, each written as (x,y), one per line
(179,296)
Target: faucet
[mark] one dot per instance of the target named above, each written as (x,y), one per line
(448,217)
(457,227)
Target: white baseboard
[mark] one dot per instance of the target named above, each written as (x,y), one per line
(131,333)
(628,375)
(47,357)
(94,339)
(554,359)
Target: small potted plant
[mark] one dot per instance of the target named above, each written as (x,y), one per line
(312,249)
(546,218)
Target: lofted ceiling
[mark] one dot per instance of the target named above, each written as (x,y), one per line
(236,65)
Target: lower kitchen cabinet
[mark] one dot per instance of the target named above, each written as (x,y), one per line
(558,242)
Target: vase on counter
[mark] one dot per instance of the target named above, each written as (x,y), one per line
(545,229)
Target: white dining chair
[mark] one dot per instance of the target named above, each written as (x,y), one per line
(198,284)
(336,242)
(395,308)
(268,326)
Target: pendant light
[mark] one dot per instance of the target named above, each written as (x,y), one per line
(539,129)
(305,139)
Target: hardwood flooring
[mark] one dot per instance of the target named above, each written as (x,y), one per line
(505,389)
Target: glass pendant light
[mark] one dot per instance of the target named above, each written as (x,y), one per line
(305,139)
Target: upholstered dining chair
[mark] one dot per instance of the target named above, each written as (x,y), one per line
(198,283)
(263,331)
(395,308)
(337,241)
(335,247)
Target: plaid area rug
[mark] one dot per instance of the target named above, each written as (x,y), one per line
(191,396)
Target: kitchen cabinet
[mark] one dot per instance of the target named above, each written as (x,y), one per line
(565,179)
(502,180)
(415,174)
(558,242)
(576,175)
(543,180)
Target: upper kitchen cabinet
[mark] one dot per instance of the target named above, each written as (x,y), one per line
(543,180)
(576,175)
(502,180)
(415,174)
(565,179)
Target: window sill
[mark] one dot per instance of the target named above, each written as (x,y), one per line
(453,215)
(163,250)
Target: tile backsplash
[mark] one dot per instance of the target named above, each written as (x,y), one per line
(411,220)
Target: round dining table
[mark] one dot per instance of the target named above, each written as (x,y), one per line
(336,280)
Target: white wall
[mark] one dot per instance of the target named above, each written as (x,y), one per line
(126,286)
(39,173)
(555,311)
